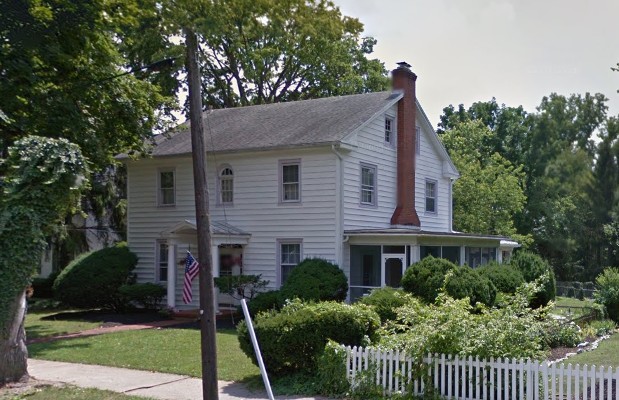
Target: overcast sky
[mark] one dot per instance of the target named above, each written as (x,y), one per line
(515,50)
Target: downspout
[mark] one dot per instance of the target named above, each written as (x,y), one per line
(451,205)
(339,199)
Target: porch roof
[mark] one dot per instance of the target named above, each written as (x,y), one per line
(399,231)
(218,228)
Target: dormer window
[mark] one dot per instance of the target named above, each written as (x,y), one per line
(389,125)
(226,186)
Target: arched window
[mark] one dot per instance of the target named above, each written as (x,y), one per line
(226,185)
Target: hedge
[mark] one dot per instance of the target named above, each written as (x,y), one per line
(425,278)
(293,339)
(92,280)
(315,279)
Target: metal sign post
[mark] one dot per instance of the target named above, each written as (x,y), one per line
(252,334)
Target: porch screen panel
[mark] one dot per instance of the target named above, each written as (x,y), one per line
(364,269)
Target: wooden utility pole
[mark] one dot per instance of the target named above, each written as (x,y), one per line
(203,223)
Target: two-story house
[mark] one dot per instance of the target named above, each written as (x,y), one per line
(361,180)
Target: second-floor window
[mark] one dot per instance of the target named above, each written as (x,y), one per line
(368,184)
(226,186)
(166,193)
(389,130)
(431,196)
(290,181)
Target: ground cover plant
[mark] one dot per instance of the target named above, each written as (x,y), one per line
(151,350)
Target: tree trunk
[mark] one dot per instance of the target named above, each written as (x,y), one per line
(13,350)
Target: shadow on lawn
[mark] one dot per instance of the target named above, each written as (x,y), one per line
(41,349)
(108,318)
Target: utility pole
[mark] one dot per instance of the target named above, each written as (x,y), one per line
(207,307)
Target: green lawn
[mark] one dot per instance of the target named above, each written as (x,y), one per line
(71,393)
(607,354)
(43,323)
(571,308)
(164,350)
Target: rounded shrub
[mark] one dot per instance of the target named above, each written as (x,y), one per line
(385,301)
(265,301)
(92,280)
(425,278)
(293,339)
(505,278)
(148,295)
(607,292)
(467,282)
(316,279)
(532,267)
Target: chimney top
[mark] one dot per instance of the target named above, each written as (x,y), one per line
(404,65)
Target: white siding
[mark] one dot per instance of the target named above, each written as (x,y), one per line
(430,166)
(255,209)
(371,149)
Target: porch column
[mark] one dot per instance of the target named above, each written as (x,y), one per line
(462,255)
(171,294)
(215,261)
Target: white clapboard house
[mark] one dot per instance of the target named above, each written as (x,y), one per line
(360,180)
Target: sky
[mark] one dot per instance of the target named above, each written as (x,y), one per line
(515,50)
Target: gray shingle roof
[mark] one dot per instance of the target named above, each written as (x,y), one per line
(298,123)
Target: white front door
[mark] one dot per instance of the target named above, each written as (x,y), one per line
(393,267)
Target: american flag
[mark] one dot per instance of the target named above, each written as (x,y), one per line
(191,271)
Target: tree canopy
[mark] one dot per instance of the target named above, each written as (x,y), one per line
(490,188)
(60,61)
(569,179)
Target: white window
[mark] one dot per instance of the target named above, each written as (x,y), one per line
(289,257)
(431,196)
(290,181)
(368,184)
(226,186)
(389,129)
(161,261)
(418,140)
(166,193)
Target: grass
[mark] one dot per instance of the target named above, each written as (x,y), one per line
(165,350)
(572,308)
(607,354)
(43,323)
(71,393)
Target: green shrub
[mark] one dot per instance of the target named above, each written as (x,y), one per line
(331,371)
(148,295)
(43,287)
(532,267)
(266,301)
(603,327)
(607,292)
(384,301)
(505,278)
(467,282)
(425,278)
(560,334)
(92,280)
(316,279)
(293,339)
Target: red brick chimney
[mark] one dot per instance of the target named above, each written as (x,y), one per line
(405,213)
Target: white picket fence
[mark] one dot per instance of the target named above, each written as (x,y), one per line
(477,379)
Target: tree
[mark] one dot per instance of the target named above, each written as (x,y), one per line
(490,188)
(42,184)
(266,51)
(60,62)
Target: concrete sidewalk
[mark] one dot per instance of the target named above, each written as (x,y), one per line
(139,383)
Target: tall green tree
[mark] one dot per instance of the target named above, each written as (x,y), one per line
(59,62)
(267,51)
(490,189)
(42,184)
